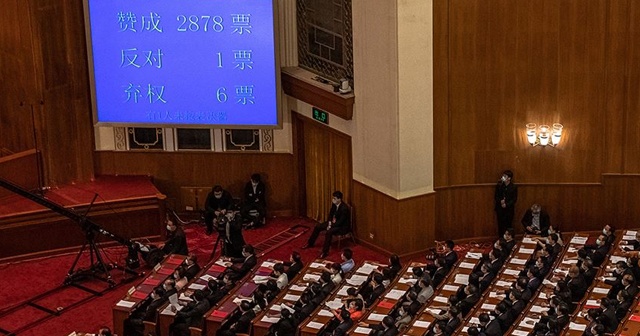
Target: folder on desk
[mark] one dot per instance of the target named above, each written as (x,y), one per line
(218,313)
(385,304)
(151,282)
(634,318)
(165,271)
(139,295)
(175,260)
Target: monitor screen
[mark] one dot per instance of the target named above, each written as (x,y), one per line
(200,63)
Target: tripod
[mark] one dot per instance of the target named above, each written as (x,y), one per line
(215,246)
(97,267)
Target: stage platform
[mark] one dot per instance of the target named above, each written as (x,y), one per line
(128,206)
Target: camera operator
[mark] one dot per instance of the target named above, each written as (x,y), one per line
(230,227)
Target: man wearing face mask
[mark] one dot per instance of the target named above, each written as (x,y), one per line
(218,202)
(505,197)
(231,229)
(536,221)
(339,223)
(254,200)
(176,240)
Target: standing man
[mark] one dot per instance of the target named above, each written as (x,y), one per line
(505,199)
(254,199)
(339,223)
(218,202)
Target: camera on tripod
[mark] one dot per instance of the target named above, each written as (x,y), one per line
(220,222)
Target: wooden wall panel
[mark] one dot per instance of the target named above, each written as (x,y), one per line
(398,226)
(171,171)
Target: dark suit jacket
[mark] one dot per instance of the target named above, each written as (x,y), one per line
(507,192)
(545,222)
(245,266)
(379,330)
(467,303)
(439,275)
(177,243)
(340,217)
(375,294)
(193,314)
(302,312)
(493,328)
(450,259)
(578,288)
(244,322)
(152,310)
(258,196)
(294,269)
(192,271)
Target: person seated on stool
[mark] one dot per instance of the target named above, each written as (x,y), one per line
(254,200)
(339,223)
(176,240)
(217,203)
(536,221)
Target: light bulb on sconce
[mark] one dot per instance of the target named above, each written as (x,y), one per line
(544,135)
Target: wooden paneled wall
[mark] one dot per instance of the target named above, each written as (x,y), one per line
(44,86)
(501,64)
(396,226)
(171,171)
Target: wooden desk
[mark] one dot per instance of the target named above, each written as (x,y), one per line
(129,303)
(217,316)
(263,322)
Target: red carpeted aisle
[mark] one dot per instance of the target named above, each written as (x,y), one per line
(28,278)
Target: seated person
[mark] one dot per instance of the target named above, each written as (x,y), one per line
(633,245)
(387,327)
(608,232)
(509,241)
(104,331)
(489,327)
(344,323)
(217,203)
(406,316)
(439,272)
(176,240)
(280,276)
(450,256)
(347,260)
(241,323)
(294,265)
(147,311)
(191,266)
(192,315)
(180,277)
(339,223)
(285,325)
(254,200)
(239,267)
(536,221)
(597,252)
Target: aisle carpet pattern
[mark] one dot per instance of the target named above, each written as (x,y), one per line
(26,279)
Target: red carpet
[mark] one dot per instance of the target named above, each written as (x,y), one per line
(29,278)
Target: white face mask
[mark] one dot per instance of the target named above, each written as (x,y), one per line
(217,196)
(503,178)
(604,232)
(170,228)
(598,241)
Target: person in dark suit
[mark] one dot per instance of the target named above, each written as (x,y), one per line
(147,311)
(386,328)
(176,240)
(285,325)
(608,317)
(505,197)
(489,327)
(303,308)
(218,202)
(471,298)
(378,289)
(577,286)
(241,266)
(231,226)
(241,323)
(191,266)
(254,200)
(439,273)
(597,252)
(339,223)
(190,316)
(294,265)
(536,221)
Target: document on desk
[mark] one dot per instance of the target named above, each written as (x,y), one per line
(394,294)
(422,324)
(325,312)
(267,264)
(311,277)
(577,326)
(356,280)
(270,319)
(519,333)
(196,286)
(410,281)
(474,320)
(510,271)
(528,323)
(440,299)
(614,259)
(259,279)
(376,317)
(335,304)
(222,263)
(125,303)
(528,240)
(501,283)
(316,265)
(291,297)
(579,240)
(461,279)
(297,288)
(488,306)
(518,261)
(366,269)
(315,325)
(206,277)
(450,288)
(343,290)
(526,250)
(466,265)
(569,261)
(538,309)
(473,255)
(362,330)
(600,290)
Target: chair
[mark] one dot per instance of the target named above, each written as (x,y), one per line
(195,331)
(150,328)
(349,234)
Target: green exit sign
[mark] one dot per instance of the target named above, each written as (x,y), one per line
(320,115)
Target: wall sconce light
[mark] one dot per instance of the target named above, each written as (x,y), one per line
(544,135)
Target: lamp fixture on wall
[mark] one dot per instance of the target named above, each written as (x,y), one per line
(544,135)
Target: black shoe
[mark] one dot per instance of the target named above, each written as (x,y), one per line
(306,246)
(323,255)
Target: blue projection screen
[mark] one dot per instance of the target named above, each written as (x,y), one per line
(199,63)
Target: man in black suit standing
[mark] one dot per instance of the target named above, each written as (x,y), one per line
(505,197)
(254,200)
(339,223)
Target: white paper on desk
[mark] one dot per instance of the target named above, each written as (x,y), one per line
(432,310)
(376,317)
(528,240)
(343,290)
(311,277)
(593,303)
(184,297)
(355,282)
(125,303)
(220,262)
(537,309)
(569,261)
(358,277)
(395,294)
(474,320)
(548,282)
(578,240)
(571,249)
(335,304)
(518,261)
(528,323)
(577,326)
(501,283)
(496,295)
(631,233)
(276,308)
(629,247)
(268,264)
(196,286)
(543,295)
(410,281)
(473,255)
(441,299)
(206,277)
(238,301)
(600,290)
(270,319)
(366,269)
(260,279)
(168,311)
(315,325)
(560,271)
(316,265)
(422,324)
(324,312)
(488,306)
(297,288)
(630,237)
(610,278)
(291,297)
(284,306)
(75,334)
(615,259)
(362,330)
(526,250)
(467,265)
(519,333)
(450,288)
(509,271)
(461,279)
